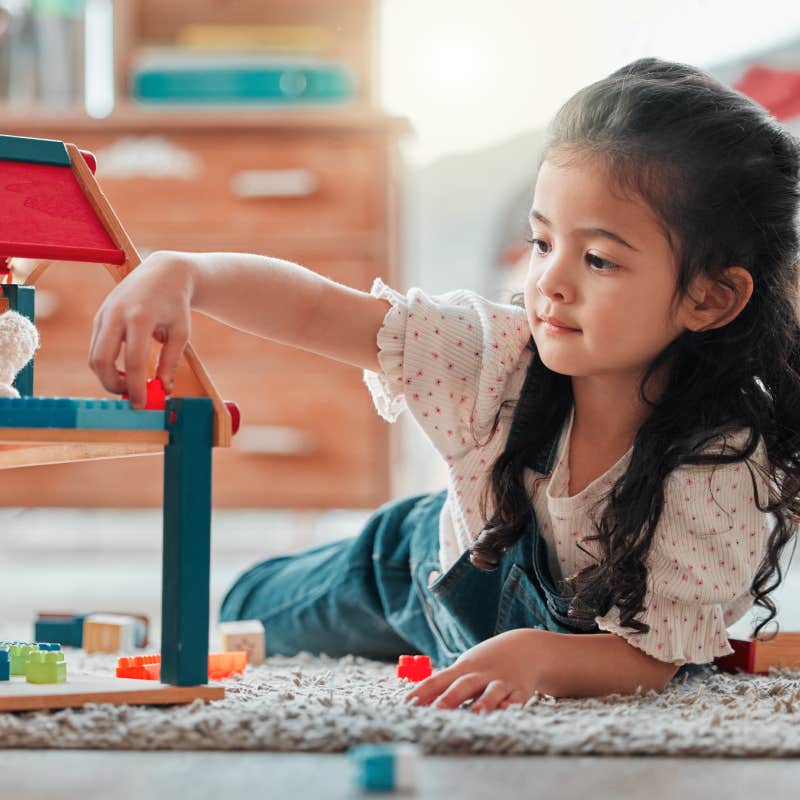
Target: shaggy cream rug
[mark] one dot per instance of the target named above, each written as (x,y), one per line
(326,705)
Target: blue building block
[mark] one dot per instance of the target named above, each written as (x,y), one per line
(384,767)
(65,630)
(5,665)
(49,646)
(77,413)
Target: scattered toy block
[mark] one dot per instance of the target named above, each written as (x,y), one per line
(110,633)
(247,635)
(756,656)
(46,666)
(66,629)
(223,665)
(19,654)
(147,668)
(414,668)
(5,665)
(384,767)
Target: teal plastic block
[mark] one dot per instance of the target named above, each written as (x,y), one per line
(5,664)
(77,413)
(384,767)
(48,646)
(64,630)
(46,666)
(34,151)
(187,541)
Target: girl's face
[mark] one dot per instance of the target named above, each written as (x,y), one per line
(601,265)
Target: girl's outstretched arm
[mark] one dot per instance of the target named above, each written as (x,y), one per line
(269,297)
(511,667)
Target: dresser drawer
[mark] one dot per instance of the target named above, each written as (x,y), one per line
(266,182)
(310,436)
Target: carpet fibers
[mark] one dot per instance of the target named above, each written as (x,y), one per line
(308,703)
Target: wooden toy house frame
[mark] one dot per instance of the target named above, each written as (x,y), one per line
(54,210)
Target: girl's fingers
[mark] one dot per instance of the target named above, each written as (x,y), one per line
(169,356)
(138,340)
(515,698)
(104,350)
(462,689)
(429,689)
(493,695)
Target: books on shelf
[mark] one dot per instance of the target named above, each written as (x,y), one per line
(177,76)
(242,38)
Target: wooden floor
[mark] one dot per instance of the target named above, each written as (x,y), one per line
(209,776)
(111,560)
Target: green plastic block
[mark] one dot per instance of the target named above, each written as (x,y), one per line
(34,151)
(46,666)
(19,655)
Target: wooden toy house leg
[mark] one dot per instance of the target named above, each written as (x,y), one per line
(21,300)
(187,542)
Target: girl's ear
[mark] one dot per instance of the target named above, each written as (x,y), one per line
(712,304)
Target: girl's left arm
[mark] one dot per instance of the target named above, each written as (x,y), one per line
(511,667)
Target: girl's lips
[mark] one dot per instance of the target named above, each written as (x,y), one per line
(551,327)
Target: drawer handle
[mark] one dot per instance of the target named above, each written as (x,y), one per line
(257,184)
(275,440)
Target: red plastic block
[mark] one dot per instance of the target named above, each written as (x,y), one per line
(236,415)
(223,665)
(146,668)
(156,395)
(414,668)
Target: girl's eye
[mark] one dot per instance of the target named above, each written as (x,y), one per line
(601,264)
(536,243)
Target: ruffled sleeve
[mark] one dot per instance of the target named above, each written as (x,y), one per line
(447,359)
(706,550)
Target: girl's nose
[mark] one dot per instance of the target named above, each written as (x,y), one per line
(554,283)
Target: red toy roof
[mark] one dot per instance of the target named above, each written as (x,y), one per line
(45,214)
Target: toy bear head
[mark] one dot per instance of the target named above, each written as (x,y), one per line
(18,341)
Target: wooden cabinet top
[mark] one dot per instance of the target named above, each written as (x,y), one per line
(129,118)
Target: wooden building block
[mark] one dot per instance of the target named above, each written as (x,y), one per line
(110,633)
(247,635)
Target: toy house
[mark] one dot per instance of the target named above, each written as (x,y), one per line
(54,210)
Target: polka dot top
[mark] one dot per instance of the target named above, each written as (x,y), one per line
(451,360)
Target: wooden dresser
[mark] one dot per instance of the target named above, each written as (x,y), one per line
(319,187)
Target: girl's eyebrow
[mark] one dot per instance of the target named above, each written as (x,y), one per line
(596,231)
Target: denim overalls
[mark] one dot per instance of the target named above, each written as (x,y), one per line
(381,594)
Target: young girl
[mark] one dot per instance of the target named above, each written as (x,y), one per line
(614,441)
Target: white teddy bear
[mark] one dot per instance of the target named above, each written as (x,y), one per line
(18,341)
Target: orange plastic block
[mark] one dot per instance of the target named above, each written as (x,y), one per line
(146,668)
(222,665)
(414,668)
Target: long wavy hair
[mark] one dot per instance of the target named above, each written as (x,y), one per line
(723,178)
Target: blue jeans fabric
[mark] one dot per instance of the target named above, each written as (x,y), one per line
(381,594)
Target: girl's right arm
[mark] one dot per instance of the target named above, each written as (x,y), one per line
(268,297)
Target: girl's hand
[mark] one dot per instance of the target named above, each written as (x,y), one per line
(498,672)
(152,302)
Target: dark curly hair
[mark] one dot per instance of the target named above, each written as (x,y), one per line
(722,176)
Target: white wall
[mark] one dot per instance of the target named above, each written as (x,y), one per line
(468,73)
